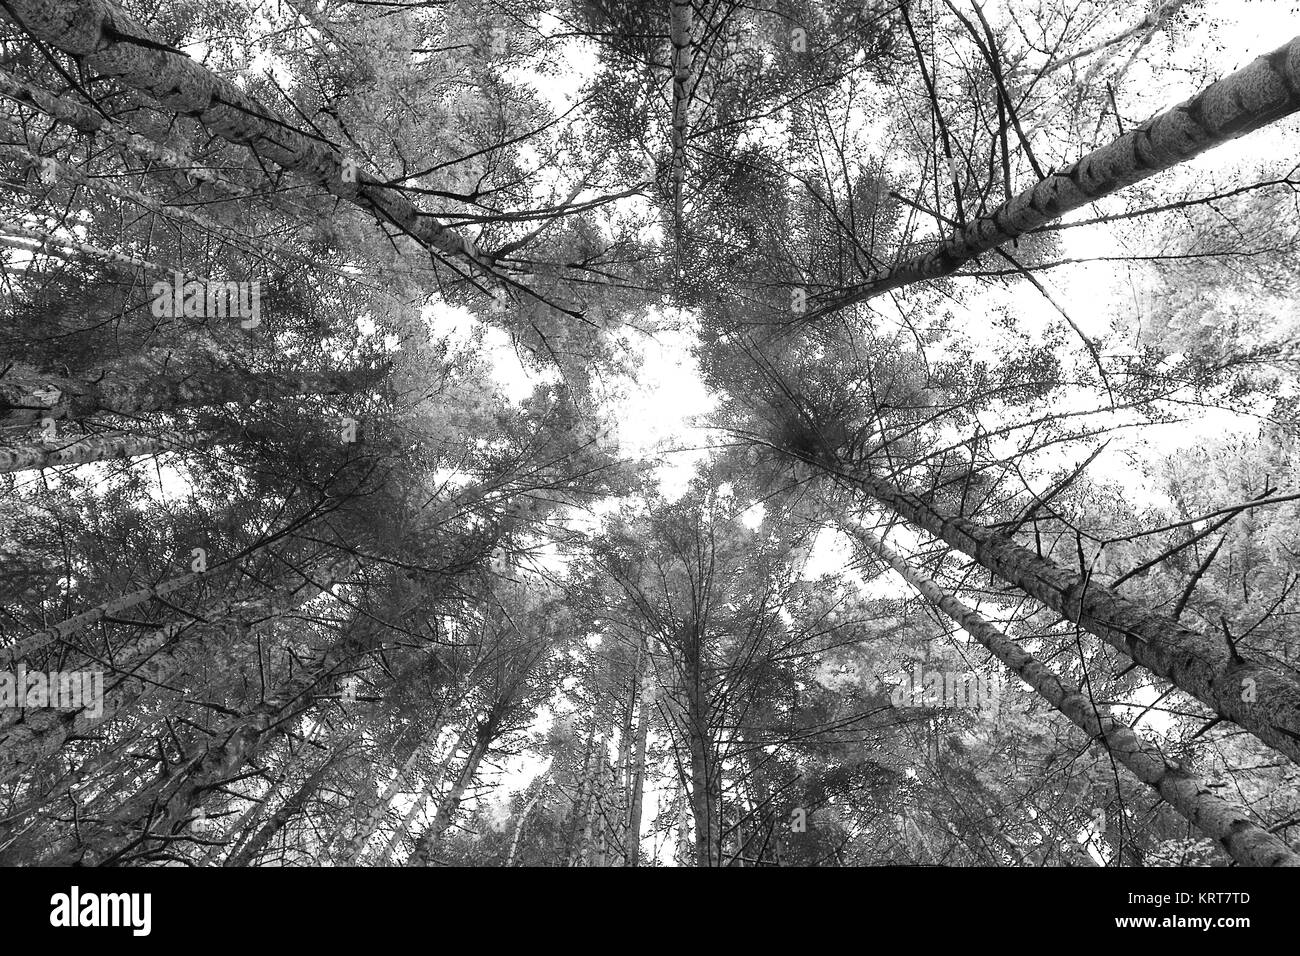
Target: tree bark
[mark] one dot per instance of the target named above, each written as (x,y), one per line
(287,810)
(147,821)
(154,662)
(1263,701)
(105,40)
(104,447)
(28,398)
(427,845)
(1261,93)
(1228,824)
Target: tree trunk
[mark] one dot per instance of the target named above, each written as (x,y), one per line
(283,815)
(544,779)
(680,24)
(637,787)
(1228,824)
(705,802)
(105,447)
(105,40)
(27,399)
(1261,93)
(427,845)
(154,661)
(1262,701)
(150,818)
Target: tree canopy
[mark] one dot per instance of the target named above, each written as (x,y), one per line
(613,433)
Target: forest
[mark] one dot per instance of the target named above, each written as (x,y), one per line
(577,433)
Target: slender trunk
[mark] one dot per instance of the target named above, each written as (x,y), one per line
(153,663)
(103,39)
(579,800)
(290,808)
(29,240)
(386,798)
(27,399)
(242,829)
(76,451)
(637,787)
(705,802)
(1263,701)
(544,779)
(427,845)
(1229,824)
(680,24)
(1261,93)
(431,787)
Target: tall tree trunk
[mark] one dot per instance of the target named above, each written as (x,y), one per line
(637,787)
(105,40)
(1261,700)
(376,815)
(1230,825)
(27,399)
(242,829)
(680,26)
(287,811)
(76,451)
(705,802)
(1256,95)
(427,845)
(543,780)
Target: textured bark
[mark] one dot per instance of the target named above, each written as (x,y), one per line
(1225,822)
(637,788)
(680,23)
(87,120)
(1264,701)
(95,448)
(105,40)
(1261,93)
(543,780)
(26,399)
(427,845)
(704,783)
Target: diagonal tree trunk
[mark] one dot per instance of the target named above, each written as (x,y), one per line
(1261,93)
(543,779)
(1230,825)
(105,40)
(287,811)
(1264,701)
(427,845)
(29,398)
(105,447)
